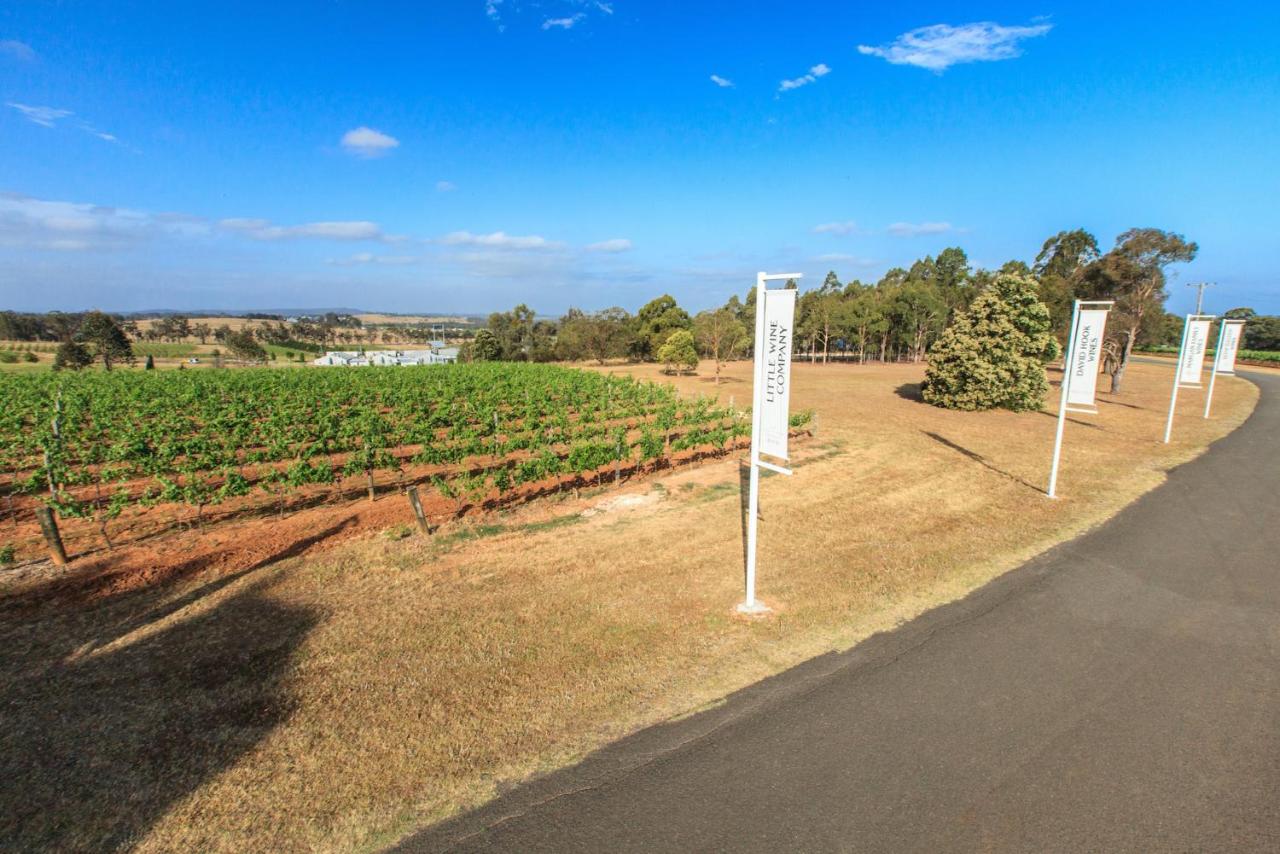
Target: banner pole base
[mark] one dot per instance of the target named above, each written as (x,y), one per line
(753,609)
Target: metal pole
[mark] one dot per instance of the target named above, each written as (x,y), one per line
(1217,351)
(1062,400)
(1177,379)
(753,502)
(1199,286)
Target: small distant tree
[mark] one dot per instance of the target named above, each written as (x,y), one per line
(485,347)
(108,340)
(992,355)
(720,334)
(679,354)
(71,356)
(150,364)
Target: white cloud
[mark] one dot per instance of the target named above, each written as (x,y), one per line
(941,46)
(498,240)
(261,229)
(366,142)
(842,228)
(30,223)
(361,258)
(912,229)
(445,186)
(722,82)
(819,70)
(562,23)
(44,116)
(617,244)
(17,50)
(491,11)
(607,8)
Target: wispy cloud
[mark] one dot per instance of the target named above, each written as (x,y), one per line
(366,143)
(44,116)
(51,117)
(261,229)
(819,70)
(492,10)
(722,82)
(15,49)
(914,229)
(445,186)
(563,23)
(361,258)
(31,223)
(941,46)
(842,228)
(498,240)
(617,244)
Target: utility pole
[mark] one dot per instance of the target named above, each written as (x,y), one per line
(1200,286)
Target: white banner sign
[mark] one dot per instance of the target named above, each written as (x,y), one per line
(774,397)
(1225,358)
(1193,352)
(1086,357)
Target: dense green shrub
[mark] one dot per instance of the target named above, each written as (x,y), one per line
(993,354)
(679,353)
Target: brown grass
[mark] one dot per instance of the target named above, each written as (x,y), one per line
(335,702)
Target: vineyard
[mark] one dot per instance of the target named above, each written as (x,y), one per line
(207,444)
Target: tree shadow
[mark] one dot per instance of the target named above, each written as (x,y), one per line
(94,580)
(910,391)
(979,459)
(96,746)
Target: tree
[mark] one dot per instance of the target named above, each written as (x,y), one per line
(862,318)
(657,319)
(71,356)
(720,334)
(678,354)
(1133,274)
(485,347)
(992,355)
(107,339)
(242,345)
(1060,267)
(150,364)
(919,312)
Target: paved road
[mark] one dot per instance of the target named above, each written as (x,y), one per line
(1119,693)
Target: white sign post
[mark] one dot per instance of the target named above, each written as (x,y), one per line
(771,398)
(1224,356)
(1195,334)
(1080,372)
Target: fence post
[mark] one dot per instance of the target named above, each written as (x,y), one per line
(49,527)
(416,503)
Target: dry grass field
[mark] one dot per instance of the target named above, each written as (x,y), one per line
(338,699)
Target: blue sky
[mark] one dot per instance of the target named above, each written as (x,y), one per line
(464,156)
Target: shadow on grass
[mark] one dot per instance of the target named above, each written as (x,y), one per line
(979,459)
(102,733)
(910,391)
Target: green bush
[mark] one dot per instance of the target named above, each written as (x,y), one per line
(6,554)
(679,353)
(8,358)
(993,354)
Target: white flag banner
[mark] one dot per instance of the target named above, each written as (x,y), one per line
(1086,357)
(1225,358)
(774,396)
(1193,352)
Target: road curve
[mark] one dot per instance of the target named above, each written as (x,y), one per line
(1119,693)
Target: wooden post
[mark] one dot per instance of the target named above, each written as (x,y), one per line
(49,526)
(369,474)
(416,503)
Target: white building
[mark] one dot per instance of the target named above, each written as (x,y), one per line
(352,359)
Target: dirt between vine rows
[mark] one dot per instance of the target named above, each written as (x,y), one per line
(162,544)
